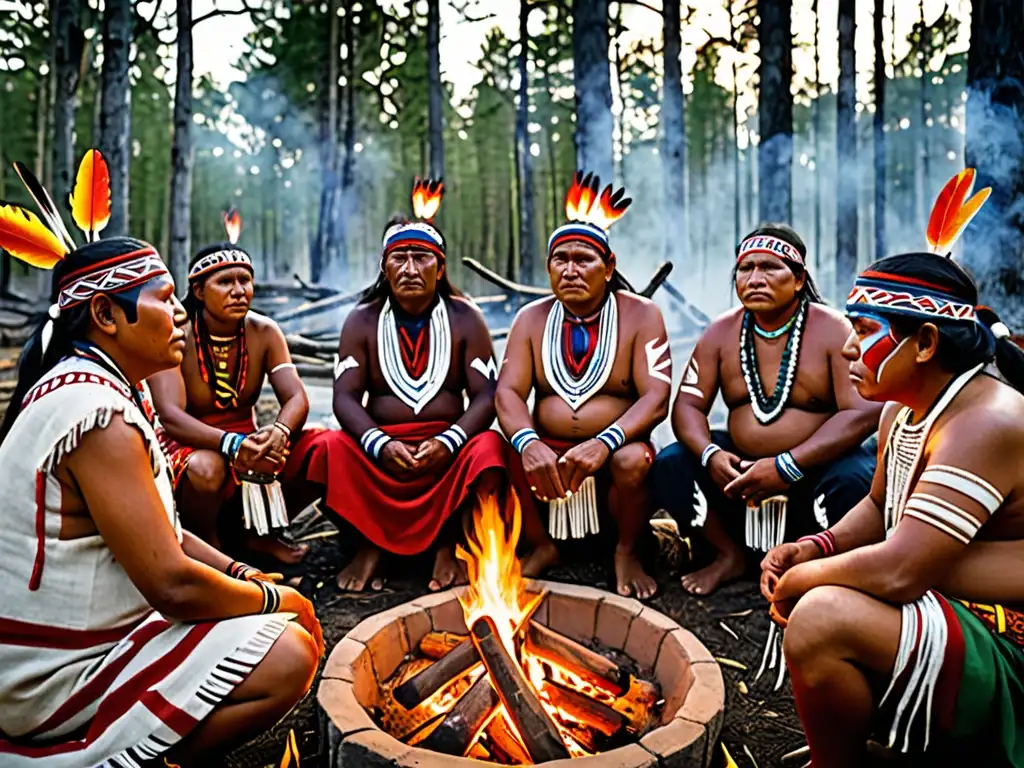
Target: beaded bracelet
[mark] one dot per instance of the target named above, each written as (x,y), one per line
(240,571)
(826,542)
(230,442)
(787,468)
(373,441)
(523,438)
(284,428)
(613,437)
(453,438)
(271,597)
(709,451)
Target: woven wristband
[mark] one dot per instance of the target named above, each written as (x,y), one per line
(523,438)
(825,541)
(453,438)
(613,437)
(787,468)
(230,442)
(237,570)
(708,452)
(373,442)
(271,597)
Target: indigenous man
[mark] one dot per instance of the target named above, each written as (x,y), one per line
(597,357)
(796,423)
(880,602)
(123,639)
(405,461)
(206,407)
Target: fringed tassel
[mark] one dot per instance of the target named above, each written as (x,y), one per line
(923,630)
(773,656)
(576,515)
(766,523)
(263,507)
(101,418)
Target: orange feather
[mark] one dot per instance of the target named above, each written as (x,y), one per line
(950,214)
(233,225)
(90,202)
(24,236)
(426,198)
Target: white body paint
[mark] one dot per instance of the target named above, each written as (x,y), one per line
(819,512)
(656,366)
(340,366)
(488,370)
(689,385)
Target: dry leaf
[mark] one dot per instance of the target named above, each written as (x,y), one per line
(730,663)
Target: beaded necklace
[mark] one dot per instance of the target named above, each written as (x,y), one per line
(215,350)
(768,409)
(777,332)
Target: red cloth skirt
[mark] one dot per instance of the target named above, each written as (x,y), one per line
(400,516)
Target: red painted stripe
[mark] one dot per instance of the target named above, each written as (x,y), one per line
(569,236)
(37,564)
(25,633)
(871,275)
(178,720)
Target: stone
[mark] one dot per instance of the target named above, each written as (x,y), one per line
(573,615)
(674,674)
(417,625)
(705,703)
(424,758)
(646,633)
(680,744)
(445,615)
(695,649)
(338,701)
(371,749)
(339,663)
(630,756)
(614,615)
(388,649)
(370,626)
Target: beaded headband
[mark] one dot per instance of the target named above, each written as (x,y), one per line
(226,257)
(773,246)
(589,216)
(891,294)
(426,200)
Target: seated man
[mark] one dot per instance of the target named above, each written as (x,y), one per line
(902,596)
(404,462)
(123,639)
(796,423)
(206,407)
(597,357)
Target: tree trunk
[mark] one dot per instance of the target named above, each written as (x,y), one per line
(816,126)
(348,163)
(879,128)
(115,109)
(325,250)
(66,32)
(994,244)
(925,195)
(181,152)
(847,173)
(524,164)
(594,123)
(435,103)
(673,160)
(775,111)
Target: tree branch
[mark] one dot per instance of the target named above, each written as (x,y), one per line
(246,8)
(642,4)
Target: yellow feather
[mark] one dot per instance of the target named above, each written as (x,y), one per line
(24,236)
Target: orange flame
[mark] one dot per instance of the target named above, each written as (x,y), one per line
(25,237)
(426,198)
(90,201)
(232,225)
(291,757)
(950,214)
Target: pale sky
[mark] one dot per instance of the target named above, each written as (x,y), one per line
(218,42)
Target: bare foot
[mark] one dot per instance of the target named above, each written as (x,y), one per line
(354,576)
(726,567)
(448,570)
(289,554)
(538,561)
(630,577)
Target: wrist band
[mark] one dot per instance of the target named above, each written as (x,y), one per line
(237,570)
(523,438)
(453,438)
(788,468)
(613,437)
(230,442)
(373,441)
(271,597)
(708,452)
(825,540)
(284,428)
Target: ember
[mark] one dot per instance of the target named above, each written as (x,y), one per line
(512,691)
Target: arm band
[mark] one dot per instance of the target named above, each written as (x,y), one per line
(230,442)
(271,597)
(237,570)
(613,437)
(825,540)
(787,468)
(453,438)
(373,441)
(523,438)
(708,452)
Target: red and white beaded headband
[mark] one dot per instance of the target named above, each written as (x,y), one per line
(772,246)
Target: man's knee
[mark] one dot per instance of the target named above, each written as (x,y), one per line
(630,464)
(293,662)
(207,471)
(816,623)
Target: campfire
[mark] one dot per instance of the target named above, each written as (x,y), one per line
(512,691)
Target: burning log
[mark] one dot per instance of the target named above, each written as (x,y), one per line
(437,645)
(592,714)
(463,723)
(505,742)
(538,732)
(422,686)
(550,646)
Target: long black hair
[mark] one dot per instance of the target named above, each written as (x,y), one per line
(72,325)
(962,344)
(381,288)
(787,234)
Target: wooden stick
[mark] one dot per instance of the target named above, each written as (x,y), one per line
(538,731)
(592,714)
(422,686)
(437,645)
(504,740)
(465,720)
(555,648)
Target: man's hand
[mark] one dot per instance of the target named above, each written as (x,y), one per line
(541,467)
(724,467)
(580,462)
(760,479)
(305,616)
(260,451)
(397,460)
(431,453)
(780,559)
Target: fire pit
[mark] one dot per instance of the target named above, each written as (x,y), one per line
(517,672)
